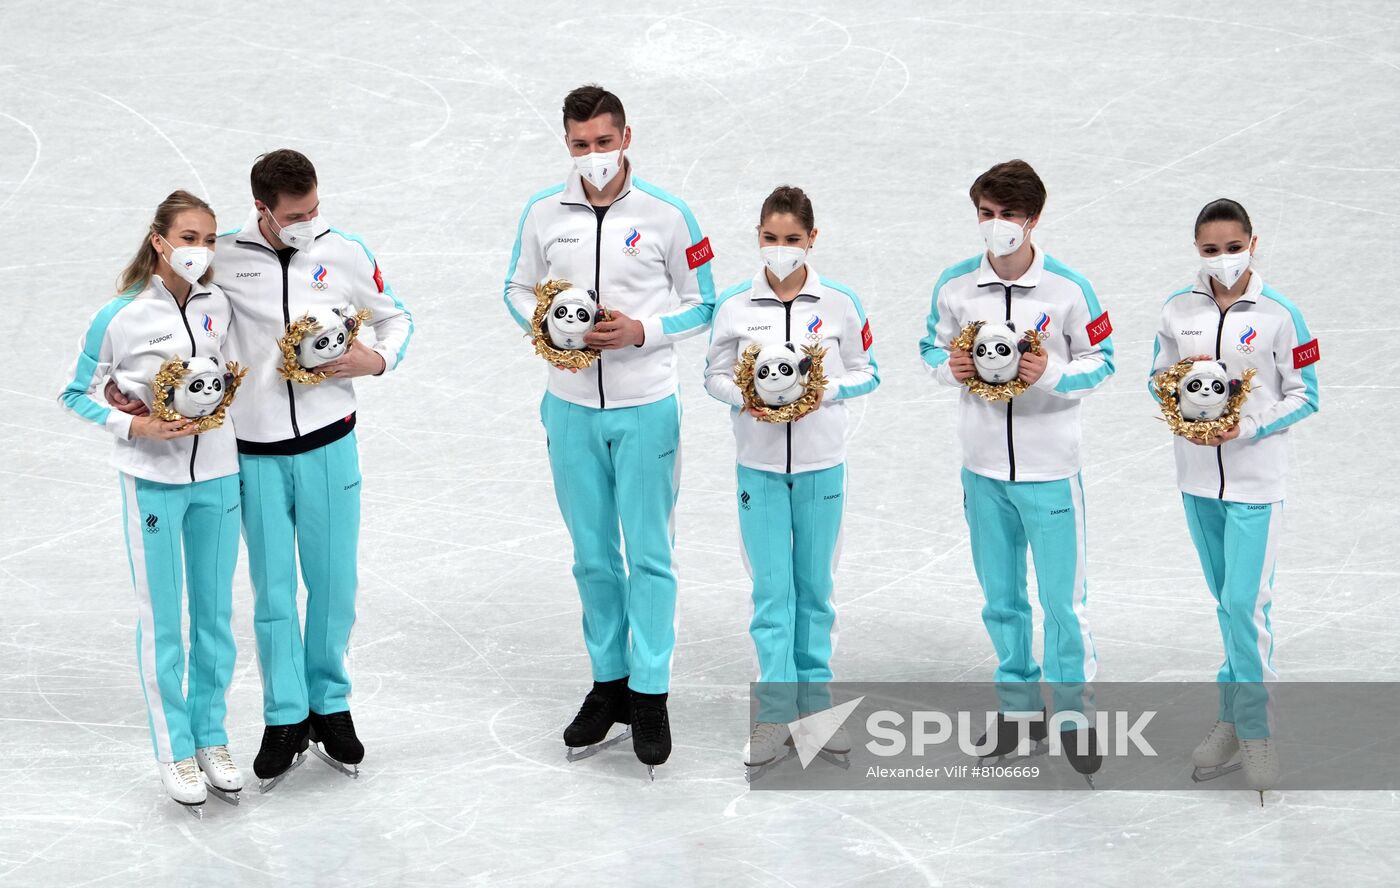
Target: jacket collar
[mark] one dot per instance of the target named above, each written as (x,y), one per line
(573,192)
(987,276)
(1252,290)
(761,290)
(157,289)
(251,232)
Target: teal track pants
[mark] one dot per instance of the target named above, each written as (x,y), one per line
(616,477)
(183,535)
(1004,517)
(790,527)
(1238,547)
(303,508)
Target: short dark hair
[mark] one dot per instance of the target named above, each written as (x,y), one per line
(1222,209)
(283,171)
(789,199)
(587,102)
(1014,185)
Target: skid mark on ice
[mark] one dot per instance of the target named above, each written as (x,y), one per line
(203,189)
(441,619)
(34,163)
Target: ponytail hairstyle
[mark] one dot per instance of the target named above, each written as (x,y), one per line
(1224,210)
(137,274)
(789,199)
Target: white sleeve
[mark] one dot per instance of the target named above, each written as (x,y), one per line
(943,328)
(527,268)
(720,360)
(1090,350)
(860,374)
(688,268)
(392,322)
(90,371)
(1295,355)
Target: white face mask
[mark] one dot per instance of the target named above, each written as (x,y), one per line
(298,235)
(599,168)
(783,261)
(189,263)
(1227,268)
(1003,238)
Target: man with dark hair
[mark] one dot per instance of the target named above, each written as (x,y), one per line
(613,428)
(298,459)
(1021,479)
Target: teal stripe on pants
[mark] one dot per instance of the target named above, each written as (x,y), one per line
(183,539)
(616,477)
(790,527)
(1238,547)
(1003,518)
(303,508)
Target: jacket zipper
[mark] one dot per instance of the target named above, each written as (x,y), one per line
(598,295)
(787,337)
(194,349)
(1010,442)
(286,260)
(1219,334)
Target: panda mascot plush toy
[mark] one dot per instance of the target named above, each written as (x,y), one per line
(572,313)
(201,390)
(996,353)
(779,375)
(329,338)
(1204,391)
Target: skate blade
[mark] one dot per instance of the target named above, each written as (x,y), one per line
(1201,775)
(268,785)
(575,753)
(753,772)
(351,771)
(1038,747)
(841,760)
(651,777)
(196,809)
(227,796)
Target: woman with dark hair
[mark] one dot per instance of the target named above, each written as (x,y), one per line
(179,488)
(792,475)
(1232,484)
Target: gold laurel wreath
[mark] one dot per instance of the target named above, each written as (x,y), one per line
(563,358)
(992,391)
(816,382)
(1165,384)
(291,368)
(171,374)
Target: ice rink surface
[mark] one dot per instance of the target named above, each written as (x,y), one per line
(431,123)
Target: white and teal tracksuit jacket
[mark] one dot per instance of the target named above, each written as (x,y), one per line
(791,491)
(644,255)
(1021,462)
(1233,493)
(613,429)
(1034,437)
(180,508)
(299,458)
(267,293)
(128,340)
(1262,331)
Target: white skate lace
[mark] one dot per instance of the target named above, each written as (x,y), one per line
(764,734)
(187,770)
(219,757)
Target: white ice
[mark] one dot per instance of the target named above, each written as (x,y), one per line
(431,122)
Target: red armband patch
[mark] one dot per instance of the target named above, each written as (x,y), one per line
(1306,354)
(378,278)
(866,337)
(1099,329)
(699,254)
